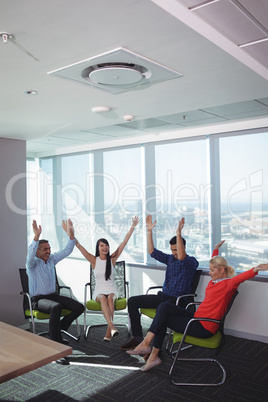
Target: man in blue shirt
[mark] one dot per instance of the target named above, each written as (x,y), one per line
(180,273)
(40,267)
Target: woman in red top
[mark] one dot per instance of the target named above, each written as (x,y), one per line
(218,295)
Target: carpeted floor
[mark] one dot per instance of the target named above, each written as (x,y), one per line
(100,371)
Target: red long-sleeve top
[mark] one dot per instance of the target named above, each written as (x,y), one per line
(218,296)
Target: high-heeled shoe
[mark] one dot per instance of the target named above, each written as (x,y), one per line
(107,339)
(114,333)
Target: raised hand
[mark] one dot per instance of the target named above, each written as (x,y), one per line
(135,221)
(67,226)
(261,267)
(149,223)
(37,230)
(181,225)
(218,245)
(64,226)
(70,229)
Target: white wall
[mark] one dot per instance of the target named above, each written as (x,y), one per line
(13,229)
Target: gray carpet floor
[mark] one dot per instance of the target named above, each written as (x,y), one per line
(100,371)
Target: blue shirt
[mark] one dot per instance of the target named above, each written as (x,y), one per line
(179,274)
(41,275)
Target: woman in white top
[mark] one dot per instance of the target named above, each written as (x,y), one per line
(103,265)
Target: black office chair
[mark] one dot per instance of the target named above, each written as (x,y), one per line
(120,304)
(217,342)
(32,314)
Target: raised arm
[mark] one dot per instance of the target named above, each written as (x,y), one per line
(67,226)
(90,257)
(30,259)
(216,248)
(121,247)
(149,226)
(37,231)
(180,246)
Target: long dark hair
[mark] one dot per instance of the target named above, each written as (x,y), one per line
(108,261)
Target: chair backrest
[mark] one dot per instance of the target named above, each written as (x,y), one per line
(119,279)
(229,307)
(25,286)
(196,280)
(221,327)
(190,299)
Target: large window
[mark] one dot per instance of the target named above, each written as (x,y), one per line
(244,199)
(219,184)
(33,207)
(123,198)
(182,191)
(77,197)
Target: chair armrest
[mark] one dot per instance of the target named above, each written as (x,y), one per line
(198,319)
(188,295)
(187,328)
(68,288)
(26,294)
(153,287)
(29,301)
(193,304)
(85,293)
(127,289)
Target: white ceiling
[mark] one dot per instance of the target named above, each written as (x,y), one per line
(223,87)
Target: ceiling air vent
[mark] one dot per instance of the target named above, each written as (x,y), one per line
(116,74)
(117,71)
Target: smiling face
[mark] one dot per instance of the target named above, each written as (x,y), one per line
(103,249)
(217,272)
(43,252)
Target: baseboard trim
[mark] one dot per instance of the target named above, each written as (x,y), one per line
(246,335)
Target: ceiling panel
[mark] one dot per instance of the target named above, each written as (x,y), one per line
(220,82)
(232,22)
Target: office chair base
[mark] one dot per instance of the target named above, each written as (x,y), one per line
(76,338)
(173,352)
(199,384)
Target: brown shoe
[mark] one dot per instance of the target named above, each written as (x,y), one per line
(130,345)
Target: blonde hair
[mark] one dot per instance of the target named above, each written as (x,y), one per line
(221,262)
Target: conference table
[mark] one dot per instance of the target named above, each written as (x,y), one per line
(22,351)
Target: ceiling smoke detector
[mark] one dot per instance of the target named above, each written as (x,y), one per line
(117,71)
(6,36)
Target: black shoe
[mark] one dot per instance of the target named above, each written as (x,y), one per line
(64,341)
(63,362)
(130,345)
